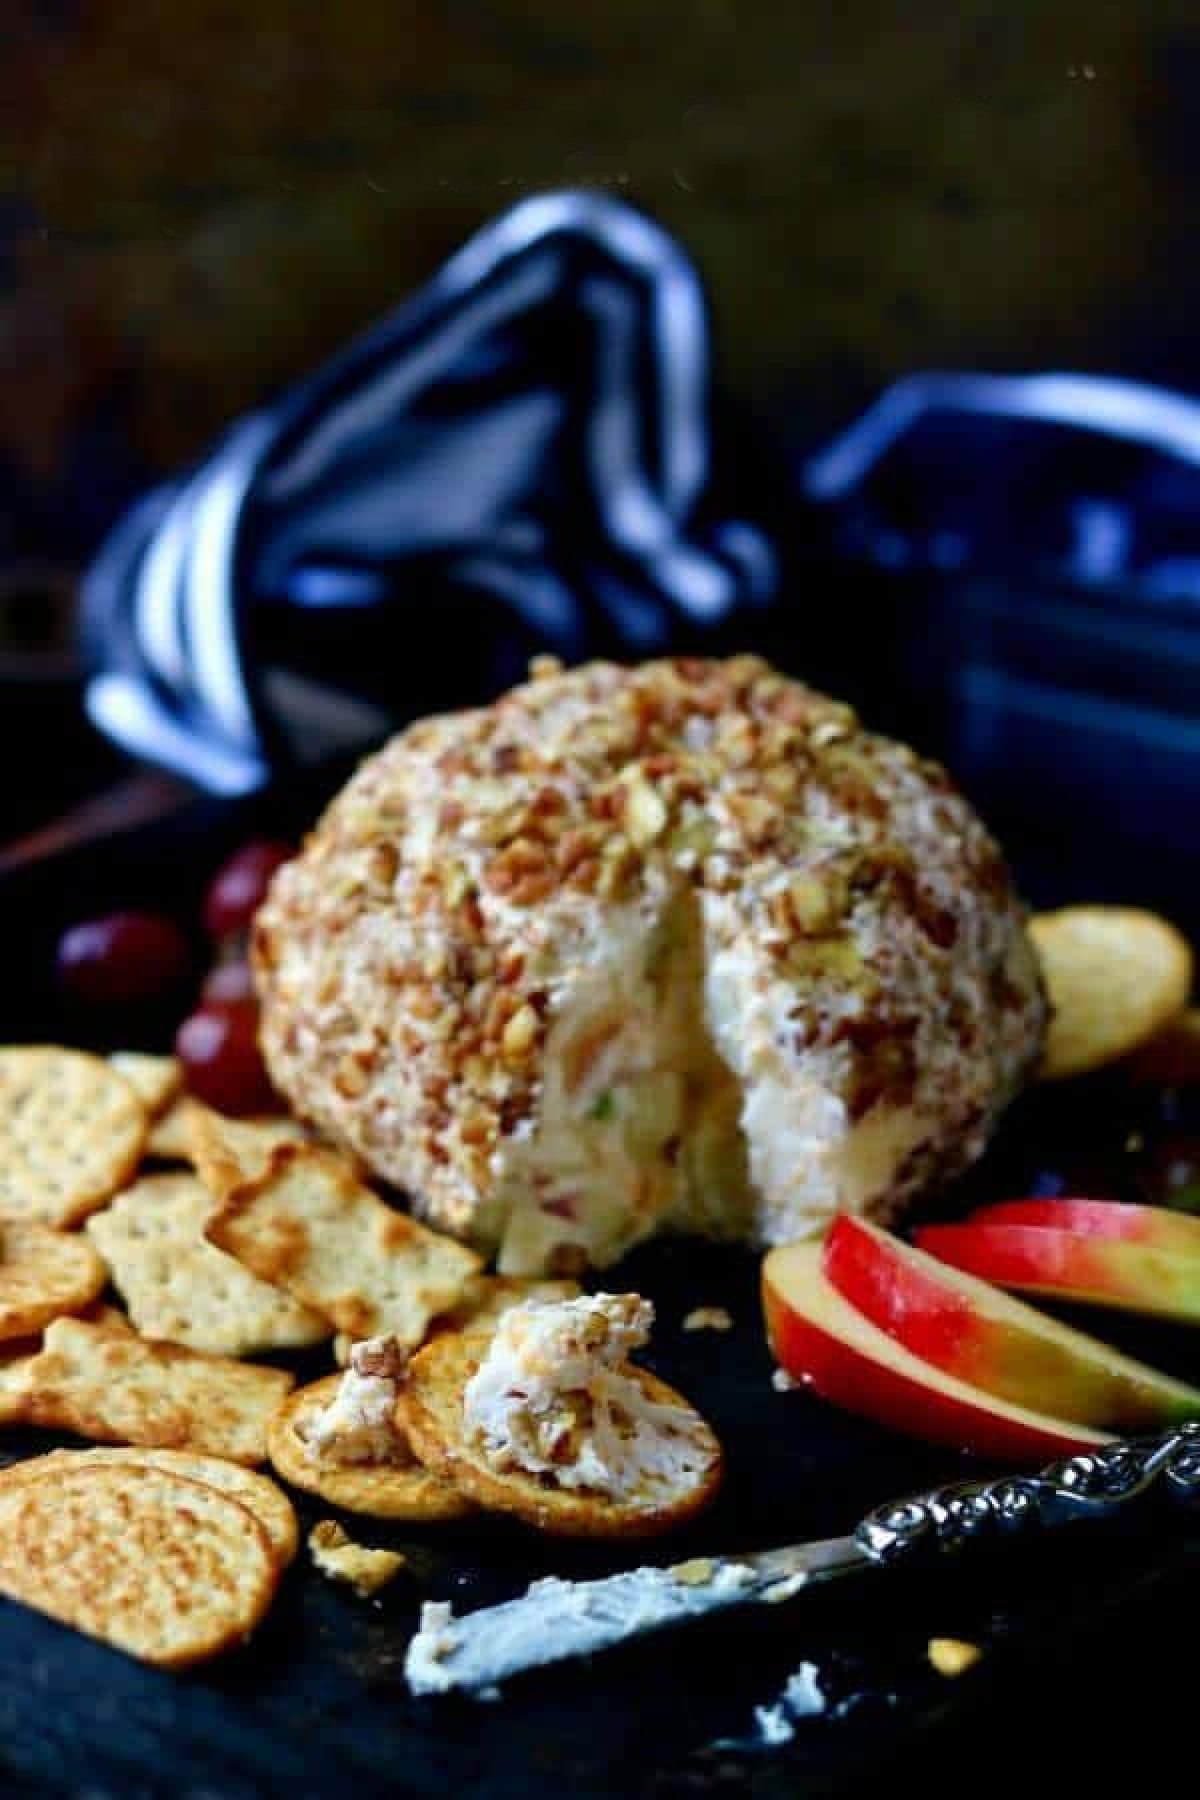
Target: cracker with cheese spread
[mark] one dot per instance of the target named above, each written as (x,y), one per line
(338,1438)
(550,1421)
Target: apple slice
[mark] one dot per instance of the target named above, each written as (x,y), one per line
(1159,1227)
(981,1335)
(823,1341)
(1069,1265)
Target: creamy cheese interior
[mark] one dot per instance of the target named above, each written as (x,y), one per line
(639,1117)
(668,1102)
(357,1426)
(554,1397)
(807,1157)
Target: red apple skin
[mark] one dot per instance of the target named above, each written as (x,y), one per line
(1158,1227)
(824,1342)
(1067,1265)
(983,1336)
(902,1292)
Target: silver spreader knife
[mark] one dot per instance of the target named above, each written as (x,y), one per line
(555,1620)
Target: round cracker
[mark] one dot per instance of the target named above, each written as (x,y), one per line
(399,1490)
(257,1493)
(43,1274)
(431,1409)
(1115,975)
(71,1133)
(167,1569)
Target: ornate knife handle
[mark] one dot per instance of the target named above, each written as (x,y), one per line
(1096,1484)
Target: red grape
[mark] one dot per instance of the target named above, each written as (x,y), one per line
(218,1047)
(239,885)
(124,959)
(230,981)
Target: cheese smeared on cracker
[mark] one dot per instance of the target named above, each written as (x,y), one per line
(553,1397)
(358,1424)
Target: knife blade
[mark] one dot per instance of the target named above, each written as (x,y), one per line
(555,1620)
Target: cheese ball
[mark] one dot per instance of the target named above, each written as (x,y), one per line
(673,947)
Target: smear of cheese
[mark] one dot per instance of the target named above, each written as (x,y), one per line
(554,1619)
(553,1397)
(433,1642)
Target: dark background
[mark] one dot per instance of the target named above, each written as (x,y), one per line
(200,199)
(205,198)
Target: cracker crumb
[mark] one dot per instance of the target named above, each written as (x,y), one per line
(708,1318)
(953,1656)
(337,1555)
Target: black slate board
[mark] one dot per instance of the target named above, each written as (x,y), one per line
(1081,1667)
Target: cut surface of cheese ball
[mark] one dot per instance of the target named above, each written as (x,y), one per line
(672,947)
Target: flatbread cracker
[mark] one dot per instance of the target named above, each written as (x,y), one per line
(396,1490)
(180,1287)
(311,1227)
(129,1390)
(16,1360)
(109,1318)
(170,1138)
(231,1153)
(169,1570)
(1115,975)
(71,1133)
(43,1273)
(257,1493)
(484,1300)
(157,1080)
(430,1410)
